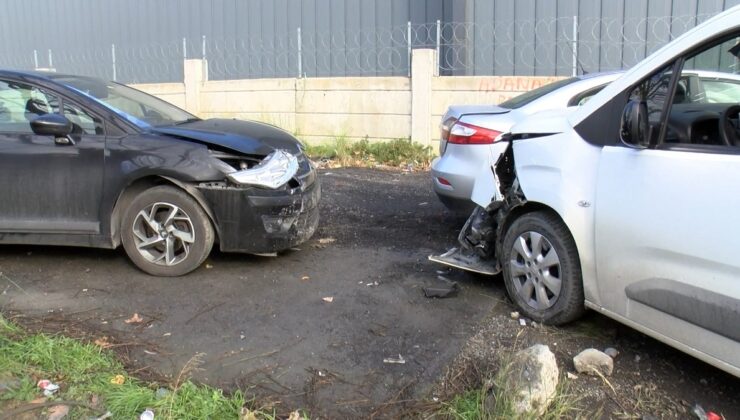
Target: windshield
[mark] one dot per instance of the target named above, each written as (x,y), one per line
(532,95)
(138,107)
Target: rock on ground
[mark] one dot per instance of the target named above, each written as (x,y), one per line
(593,362)
(532,379)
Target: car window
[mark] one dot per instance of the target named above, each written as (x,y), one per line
(82,121)
(139,108)
(653,92)
(584,97)
(720,91)
(533,95)
(704,110)
(21,103)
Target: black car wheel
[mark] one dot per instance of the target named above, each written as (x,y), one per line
(542,271)
(166,232)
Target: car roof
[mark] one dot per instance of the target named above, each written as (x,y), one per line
(49,76)
(587,76)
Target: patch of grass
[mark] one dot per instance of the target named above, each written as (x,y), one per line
(477,405)
(85,370)
(495,399)
(398,152)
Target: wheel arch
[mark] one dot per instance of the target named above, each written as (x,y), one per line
(521,210)
(139,185)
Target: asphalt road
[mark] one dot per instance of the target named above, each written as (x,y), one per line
(262,322)
(264,326)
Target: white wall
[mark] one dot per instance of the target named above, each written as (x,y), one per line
(322,109)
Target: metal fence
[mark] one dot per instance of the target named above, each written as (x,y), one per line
(557,46)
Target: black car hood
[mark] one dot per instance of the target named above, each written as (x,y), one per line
(248,137)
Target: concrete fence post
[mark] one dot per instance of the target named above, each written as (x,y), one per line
(194,79)
(423,62)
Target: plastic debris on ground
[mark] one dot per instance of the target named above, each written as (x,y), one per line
(515,315)
(522,322)
(118,380)
(48,387)
(447,288)
(328,299)
(701,414)
(147,414)
(398,361)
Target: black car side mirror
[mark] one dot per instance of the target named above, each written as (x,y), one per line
(53,125)
(634,131)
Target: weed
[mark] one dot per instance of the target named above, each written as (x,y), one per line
(85,370)
(398,152)
(496,397)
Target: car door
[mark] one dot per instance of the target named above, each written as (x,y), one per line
(667,230)
(48,187)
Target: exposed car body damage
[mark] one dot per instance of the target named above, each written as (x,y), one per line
(481,235)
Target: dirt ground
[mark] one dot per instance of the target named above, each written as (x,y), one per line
(265,326)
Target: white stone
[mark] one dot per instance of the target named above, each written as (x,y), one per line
(532,379)
(611,352)
(593,362)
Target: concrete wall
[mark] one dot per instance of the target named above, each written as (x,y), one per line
(322,109)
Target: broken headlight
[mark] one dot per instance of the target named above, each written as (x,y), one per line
(274,171)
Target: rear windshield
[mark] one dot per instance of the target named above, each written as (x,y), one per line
(533,95)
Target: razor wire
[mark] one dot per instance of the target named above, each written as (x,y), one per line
(555,46)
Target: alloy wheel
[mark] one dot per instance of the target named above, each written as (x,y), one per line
(535,270)
(163,234)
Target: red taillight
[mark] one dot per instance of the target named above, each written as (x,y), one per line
(463,133)
(443,181)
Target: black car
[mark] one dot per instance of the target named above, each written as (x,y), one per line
(86,162)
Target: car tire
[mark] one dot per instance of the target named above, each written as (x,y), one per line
(165,232)
(542,271)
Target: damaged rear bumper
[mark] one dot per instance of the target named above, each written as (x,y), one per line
(257,220)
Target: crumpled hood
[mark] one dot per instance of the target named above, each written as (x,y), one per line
(248,137)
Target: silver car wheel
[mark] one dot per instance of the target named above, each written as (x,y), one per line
(535,270)
(163,234)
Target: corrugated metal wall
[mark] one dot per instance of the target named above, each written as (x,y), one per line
(258,38)
(243,38)
(534,37)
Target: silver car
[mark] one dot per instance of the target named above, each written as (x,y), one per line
(469,133)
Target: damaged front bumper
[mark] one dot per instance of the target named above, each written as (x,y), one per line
(261,220)
(479,240)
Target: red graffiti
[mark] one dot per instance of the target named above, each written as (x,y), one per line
(513,83)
